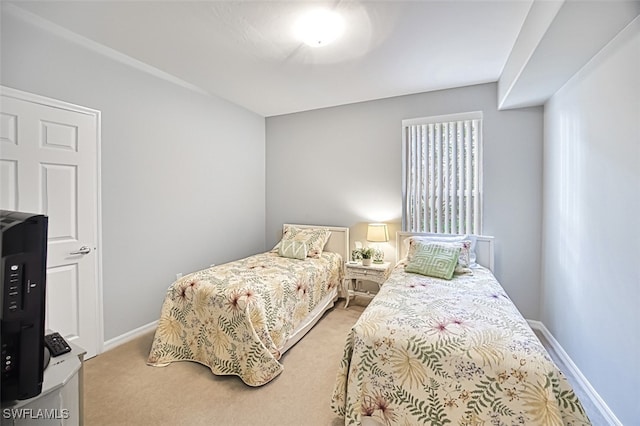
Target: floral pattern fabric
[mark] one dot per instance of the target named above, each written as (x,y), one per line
(236,318)
(432,351)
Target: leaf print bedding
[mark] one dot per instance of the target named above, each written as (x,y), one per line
(432,351)
(236,318)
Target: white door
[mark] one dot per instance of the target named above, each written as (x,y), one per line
(49,164)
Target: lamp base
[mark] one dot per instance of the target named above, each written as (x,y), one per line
(378,256)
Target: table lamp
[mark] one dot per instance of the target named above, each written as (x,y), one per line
(378,233)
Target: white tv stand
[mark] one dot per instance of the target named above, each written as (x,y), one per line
(61,399)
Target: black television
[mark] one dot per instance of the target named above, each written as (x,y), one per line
(23,239)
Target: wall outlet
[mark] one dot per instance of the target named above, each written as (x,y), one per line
(178,275)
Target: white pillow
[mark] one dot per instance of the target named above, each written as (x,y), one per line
(446,238)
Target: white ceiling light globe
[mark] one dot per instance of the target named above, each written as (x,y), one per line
(319,27)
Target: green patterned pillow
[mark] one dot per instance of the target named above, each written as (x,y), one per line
(464,260)
(293,249)
(434,260)
(315,238)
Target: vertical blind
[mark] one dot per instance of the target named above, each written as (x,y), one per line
(442,176)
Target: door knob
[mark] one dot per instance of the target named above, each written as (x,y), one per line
(82,250)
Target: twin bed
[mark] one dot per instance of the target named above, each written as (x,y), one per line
(425,351)
(435,351)
(240,317)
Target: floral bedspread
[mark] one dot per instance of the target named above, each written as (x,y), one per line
(431,351)
(235,318)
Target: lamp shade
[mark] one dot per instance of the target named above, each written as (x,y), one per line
(377,233)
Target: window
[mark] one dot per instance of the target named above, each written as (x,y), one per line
(442,174)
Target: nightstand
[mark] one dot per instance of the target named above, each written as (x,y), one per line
(356,272)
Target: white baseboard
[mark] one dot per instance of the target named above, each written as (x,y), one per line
(595,398)
(126,337)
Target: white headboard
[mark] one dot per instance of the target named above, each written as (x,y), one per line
(338,240)
(484,247)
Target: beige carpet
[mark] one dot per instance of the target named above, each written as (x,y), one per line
(120,389)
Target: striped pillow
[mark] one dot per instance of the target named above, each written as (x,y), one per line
(293,249)
(315,238)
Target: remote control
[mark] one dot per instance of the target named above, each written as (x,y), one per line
(56,344)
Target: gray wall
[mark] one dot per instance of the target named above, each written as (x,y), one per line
(591,279)
(182,172)
(342,166)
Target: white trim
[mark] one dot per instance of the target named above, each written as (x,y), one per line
(101,49)
(130,335)
(595,398)
(46,101)
(100,300)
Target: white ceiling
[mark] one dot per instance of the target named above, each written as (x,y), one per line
(245,52)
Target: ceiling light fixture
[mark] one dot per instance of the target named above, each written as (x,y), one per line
(319,27)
